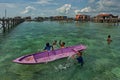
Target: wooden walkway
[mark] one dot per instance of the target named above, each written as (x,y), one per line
(114,21)
(9,23)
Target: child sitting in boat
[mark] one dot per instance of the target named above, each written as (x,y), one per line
(48,47)
(62,44)
(109,39)
(54,44)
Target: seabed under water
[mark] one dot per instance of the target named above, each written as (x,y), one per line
(102,61)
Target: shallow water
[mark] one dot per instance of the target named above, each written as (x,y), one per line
(102,61)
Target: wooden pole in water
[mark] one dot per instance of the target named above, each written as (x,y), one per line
(8,24)
(3,25)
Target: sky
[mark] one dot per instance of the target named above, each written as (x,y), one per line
(46,8)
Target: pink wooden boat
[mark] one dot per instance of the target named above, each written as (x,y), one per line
(47,56)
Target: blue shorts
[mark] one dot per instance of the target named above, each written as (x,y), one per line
(80,59)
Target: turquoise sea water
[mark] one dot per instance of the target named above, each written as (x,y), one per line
(102,61)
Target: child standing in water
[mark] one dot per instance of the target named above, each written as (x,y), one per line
(79,57)
(109,39)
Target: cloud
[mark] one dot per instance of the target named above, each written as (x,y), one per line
(7,5)
(77,11)
(101,6)
(91,1)
(44,2)
(28,9)
(108,5)
(105,3)
(64,9)
(85,10)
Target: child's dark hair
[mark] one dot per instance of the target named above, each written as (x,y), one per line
(47,44)
(109,36)
(80,52)
(64,43)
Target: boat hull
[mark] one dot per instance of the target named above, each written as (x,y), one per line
(48,56)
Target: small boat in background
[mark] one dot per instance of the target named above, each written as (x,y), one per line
(48,56)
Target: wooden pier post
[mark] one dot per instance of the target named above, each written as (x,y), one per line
(3,25)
